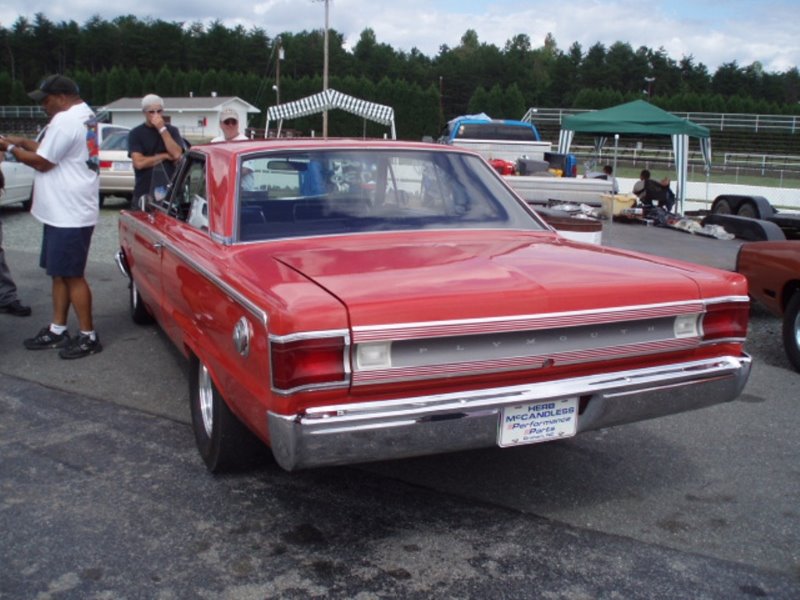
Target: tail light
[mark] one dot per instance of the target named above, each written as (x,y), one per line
(503,167)
(105,164)
(308,363)
(726,321)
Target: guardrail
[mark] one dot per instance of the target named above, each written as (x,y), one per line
(22,112)
(764,162)
(717,121)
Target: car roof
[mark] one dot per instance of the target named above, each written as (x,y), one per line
(272,144)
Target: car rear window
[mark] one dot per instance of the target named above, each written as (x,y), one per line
(294,194)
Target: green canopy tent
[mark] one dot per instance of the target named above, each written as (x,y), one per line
(643,118)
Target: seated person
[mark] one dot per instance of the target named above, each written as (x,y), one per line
(649,191)
(608,172)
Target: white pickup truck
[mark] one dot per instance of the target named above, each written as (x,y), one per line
(528,164)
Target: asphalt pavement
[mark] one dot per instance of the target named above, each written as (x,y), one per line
(102,494)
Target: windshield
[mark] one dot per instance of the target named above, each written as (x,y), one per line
(294,194)
(496,131)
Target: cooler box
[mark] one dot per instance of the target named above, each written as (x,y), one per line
(614,204)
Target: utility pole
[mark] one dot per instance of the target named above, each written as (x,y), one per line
(325,74)
(441,103)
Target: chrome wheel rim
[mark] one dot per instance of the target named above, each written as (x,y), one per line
(205,394)
(797,331)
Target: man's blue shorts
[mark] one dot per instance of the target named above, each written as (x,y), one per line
(65,250)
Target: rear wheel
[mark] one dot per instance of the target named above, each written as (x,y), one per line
(791,330)
(749,210)
(224,443)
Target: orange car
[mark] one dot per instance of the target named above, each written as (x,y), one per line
(773,272)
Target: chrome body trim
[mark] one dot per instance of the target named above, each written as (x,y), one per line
(422,425)
(252,308)
(401,331)
(309,335)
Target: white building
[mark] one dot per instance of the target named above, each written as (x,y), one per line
(197,118)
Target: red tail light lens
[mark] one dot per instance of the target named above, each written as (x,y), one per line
(726,321)
(310,362)
(105,164)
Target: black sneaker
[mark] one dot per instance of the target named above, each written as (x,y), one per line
(80,346)
(46,339)
(16,308)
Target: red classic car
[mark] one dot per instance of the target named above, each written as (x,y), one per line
(773,273)
(351,301)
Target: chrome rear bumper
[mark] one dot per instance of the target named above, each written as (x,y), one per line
(370,431)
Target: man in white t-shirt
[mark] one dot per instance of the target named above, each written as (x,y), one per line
(65,200)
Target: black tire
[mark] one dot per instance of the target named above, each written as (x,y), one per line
(139,312)
(749,210)
(26,204)
(791,330)
(723,207)
(101,200)
(224,443)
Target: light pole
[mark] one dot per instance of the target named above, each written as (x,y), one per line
(278,59)
(649,81)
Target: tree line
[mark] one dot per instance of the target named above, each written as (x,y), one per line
(128,57)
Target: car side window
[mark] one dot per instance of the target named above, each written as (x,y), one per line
(190,200)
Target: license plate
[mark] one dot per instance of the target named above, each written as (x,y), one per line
(536,422)
(121,165)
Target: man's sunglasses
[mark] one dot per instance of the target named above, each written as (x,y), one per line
(230,122)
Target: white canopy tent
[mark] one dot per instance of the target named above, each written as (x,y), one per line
(327,100)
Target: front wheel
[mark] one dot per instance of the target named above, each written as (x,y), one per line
(224,443)
(791,330)
(139,312)
(722,207)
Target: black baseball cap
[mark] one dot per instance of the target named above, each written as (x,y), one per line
(54,84)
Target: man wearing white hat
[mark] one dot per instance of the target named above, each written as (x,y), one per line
(229,123)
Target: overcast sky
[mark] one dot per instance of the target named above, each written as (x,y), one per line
(713,32)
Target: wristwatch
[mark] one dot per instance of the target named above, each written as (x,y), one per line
(10,147)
